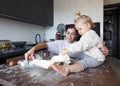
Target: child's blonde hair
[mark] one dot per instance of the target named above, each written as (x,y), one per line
(85,19)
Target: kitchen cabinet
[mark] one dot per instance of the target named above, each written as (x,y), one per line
(45,13)
(32,11)
(8,8)
(25,10)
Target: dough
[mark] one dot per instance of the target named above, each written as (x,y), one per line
(55,59)
(42,63)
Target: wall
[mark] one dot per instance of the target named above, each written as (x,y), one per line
(111,1)
(64,11)
(19,31)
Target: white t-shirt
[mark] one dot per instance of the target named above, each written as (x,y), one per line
(56,46)
(89,44)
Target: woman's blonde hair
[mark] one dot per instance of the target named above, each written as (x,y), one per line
(84,18)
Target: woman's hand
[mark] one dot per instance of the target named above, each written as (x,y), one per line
(104,49)
(29,55)
(64,51)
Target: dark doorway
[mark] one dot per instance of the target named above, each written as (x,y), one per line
(112,29)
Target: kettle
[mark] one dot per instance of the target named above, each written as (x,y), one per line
(37,38)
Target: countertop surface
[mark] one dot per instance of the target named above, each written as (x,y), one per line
(11,52)
(99,76)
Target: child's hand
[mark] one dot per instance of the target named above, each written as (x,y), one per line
(64,51)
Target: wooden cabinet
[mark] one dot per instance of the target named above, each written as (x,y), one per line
(32,11)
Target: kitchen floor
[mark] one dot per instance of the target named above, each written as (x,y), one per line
(115,64)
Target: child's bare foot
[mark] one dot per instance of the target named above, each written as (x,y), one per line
(60,69)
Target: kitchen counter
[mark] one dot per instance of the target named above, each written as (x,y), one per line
(6,53)
(99,76)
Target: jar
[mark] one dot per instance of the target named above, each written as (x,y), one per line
(3,44)
(58,36)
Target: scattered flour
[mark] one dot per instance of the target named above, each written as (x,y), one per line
(44,77)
